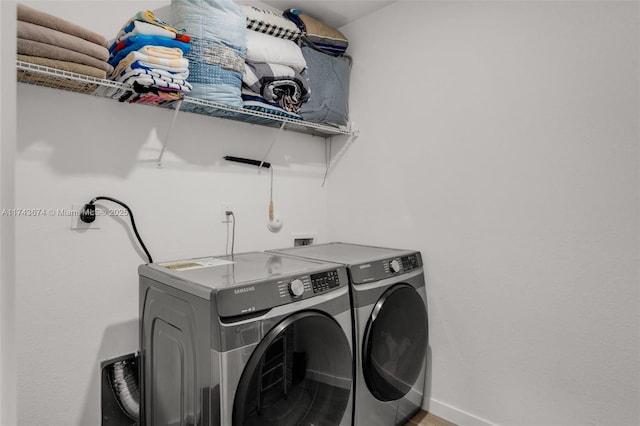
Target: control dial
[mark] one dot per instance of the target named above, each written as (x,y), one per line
(394,265)
(296,288)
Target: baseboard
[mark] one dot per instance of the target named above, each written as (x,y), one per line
(453,414)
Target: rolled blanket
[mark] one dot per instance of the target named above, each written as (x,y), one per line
(277,83)
(145,28)
(36,48)
(148,17)
(272,50)
(37,17)
(268,22)
(169,64)
(163,49)
(64,66)
(29,31)
(253,101)
(320,35)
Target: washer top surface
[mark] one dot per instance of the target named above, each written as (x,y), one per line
(349,254)
(229,271)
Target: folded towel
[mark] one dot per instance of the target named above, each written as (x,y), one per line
(272,50)
(155,73)
(152,50)
(36,48)
(145,28)
(148,17)
(29,31)
(64,66)
(268,22)
(37,17)
(148,40)
(161,83)
(168,64)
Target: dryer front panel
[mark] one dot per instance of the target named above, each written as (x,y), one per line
(394,343)
(299,374)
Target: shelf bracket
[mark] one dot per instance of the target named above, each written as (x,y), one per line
(166,138)
(331,164)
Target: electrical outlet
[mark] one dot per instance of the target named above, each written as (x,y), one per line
(225,207)
(76,223)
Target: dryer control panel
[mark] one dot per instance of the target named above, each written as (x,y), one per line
(386,268)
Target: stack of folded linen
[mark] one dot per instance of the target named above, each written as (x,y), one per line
(216,60)
(47,40)
(273,80)
(148,55)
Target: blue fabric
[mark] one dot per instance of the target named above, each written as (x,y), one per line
(214,26)
(329,82)
(137,42)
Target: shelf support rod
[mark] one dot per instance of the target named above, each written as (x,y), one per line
(339,154)
(275,139)
(166,138)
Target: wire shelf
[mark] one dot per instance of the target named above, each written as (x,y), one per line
(64,80)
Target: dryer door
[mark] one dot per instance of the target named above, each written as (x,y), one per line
(299,374)
(394,345)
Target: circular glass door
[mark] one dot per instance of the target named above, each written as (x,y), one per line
(299,374)
(395,343)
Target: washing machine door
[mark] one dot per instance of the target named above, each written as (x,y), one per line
(394,346)
(299,374)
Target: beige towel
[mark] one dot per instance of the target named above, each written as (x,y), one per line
(64,65)
(36,48)
(37,17)
(29,31)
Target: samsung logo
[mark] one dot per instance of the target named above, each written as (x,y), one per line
(368,265)
(244,290)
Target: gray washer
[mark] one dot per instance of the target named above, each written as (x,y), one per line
(253,339)
(391,327)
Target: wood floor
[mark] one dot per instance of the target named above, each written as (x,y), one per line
(427,419)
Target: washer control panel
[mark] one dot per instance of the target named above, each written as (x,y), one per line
(325,281)
(386,268)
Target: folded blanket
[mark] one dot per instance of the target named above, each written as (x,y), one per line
(268,22)
(163,49)
(145,28)
(322,36)
(329,81)
(148,17)
(37,17)
(64,66)
(277,83)
(29,31)
(272,50)
(36,48)
(144,60)
(216,60)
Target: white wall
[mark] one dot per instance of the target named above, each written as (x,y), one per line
(77,292)
(501,139)
(7,226)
